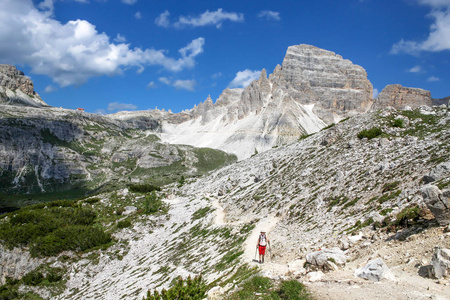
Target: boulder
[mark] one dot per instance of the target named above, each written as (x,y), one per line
(374,270)
(440,263)
(129,210)
(442,170)
(296,267)
(314,276)
(327,259)
(437,203)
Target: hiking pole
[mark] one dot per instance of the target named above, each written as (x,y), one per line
(256,250)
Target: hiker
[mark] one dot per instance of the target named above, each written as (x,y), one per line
(263,241)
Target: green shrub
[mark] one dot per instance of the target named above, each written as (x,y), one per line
(407,215)
(8,293)
(92,200)
(189,289)
(153,204)
(398,123)
(370,133)
(54,275)
(33,278)
(124,224)
(143,188)
(76,238)
(292,290)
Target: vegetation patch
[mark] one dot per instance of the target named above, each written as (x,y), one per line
(370,133)
(50,228)
(190,288)
(259,287)
(200,213)
(143,188)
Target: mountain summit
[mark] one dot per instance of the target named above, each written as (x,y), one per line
(310,90)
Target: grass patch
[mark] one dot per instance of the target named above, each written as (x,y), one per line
(200,213)
(370,133)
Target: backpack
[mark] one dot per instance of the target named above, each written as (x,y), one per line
(262,240)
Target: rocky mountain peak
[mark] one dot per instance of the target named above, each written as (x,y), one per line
(17,89)
(398,96)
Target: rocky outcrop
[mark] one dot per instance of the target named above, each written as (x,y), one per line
(374,270)
(335,86)
(17,89)
(16,263)
(399,97)
(440,263)
(328,259)
(437,202)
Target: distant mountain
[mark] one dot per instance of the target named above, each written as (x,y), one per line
(310,90)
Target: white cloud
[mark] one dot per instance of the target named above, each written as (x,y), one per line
(117,106)
(50,88)
(75,51)
(269,15)
(209,18)
(185,84)
(433,78)
(129,2)
(120,38)
(164,80)
(375,93)
(415,69)
(179,84)
(151,85)
(163,19)
(439,36)
(138,15)
(244,78)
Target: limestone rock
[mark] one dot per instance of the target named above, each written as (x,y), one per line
(399,97)
(442,170)
(441,263)
(325,258)
(335,86)
(374,270)
(16,263)
(314,276)
(437,203)
(17,89)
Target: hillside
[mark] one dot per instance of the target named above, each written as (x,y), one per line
(328,189)
(45,151)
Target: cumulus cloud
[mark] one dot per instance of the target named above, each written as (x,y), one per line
(439,36)
(415,69)
(120,38)
(151,85)
(164,80)
(50,88)
(188,85)
(244,78)
(138,15)
(215,18)
(185,84)
(129,2)
(117,106)
(216,75)
(163,19)
(269,15)
(75,51)
(433,78)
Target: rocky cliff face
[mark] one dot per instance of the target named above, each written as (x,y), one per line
(399,97)
(53,149)
(310,90)
(17,89)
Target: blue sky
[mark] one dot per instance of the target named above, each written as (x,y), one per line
(111,55)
